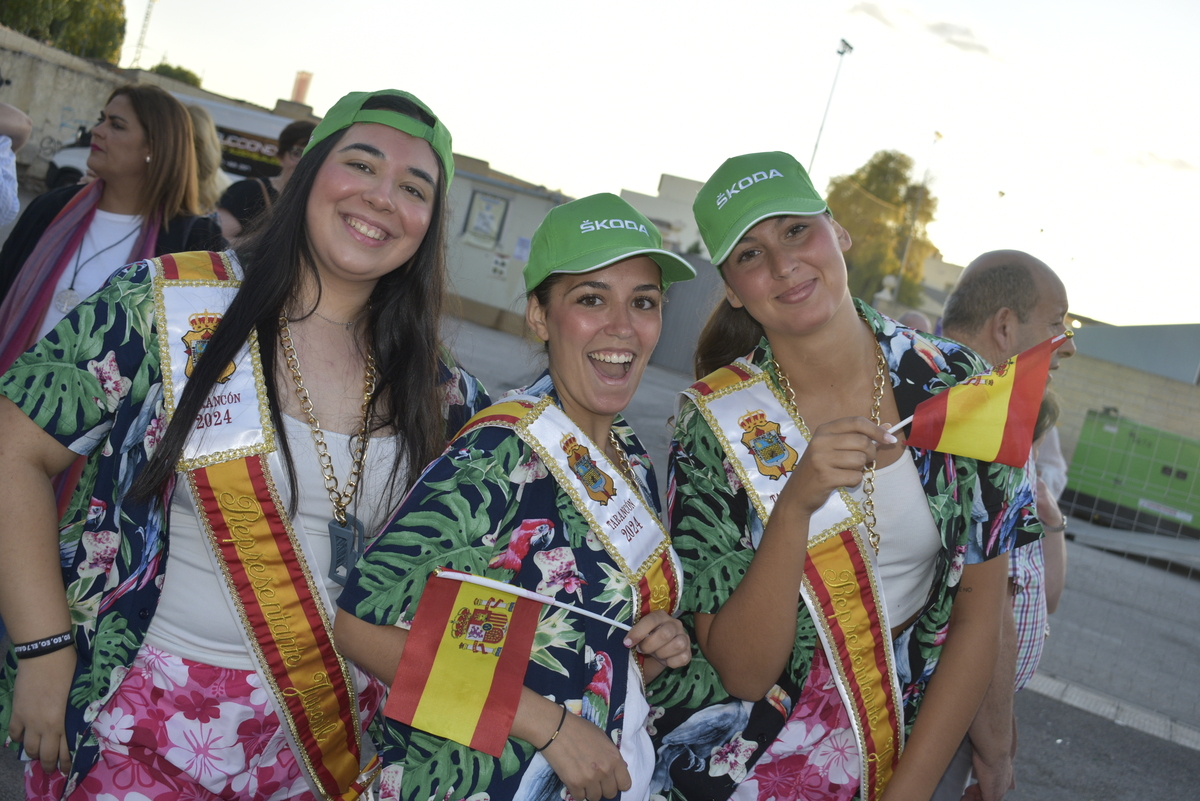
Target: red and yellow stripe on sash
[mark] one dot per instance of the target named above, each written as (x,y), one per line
(198,265)
(284,611)
(836,576)
(505,413)
(721,378)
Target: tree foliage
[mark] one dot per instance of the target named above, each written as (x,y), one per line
(86,28)
(182,74)
(885,213)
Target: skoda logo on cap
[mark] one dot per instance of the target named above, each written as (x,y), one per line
(745,183)
(629,225)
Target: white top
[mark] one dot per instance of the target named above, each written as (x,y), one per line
(95,266)
(10,204)
(908,540)
(192,581)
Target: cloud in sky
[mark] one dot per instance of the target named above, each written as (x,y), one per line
(1155,160)
(873,11)
(957,36)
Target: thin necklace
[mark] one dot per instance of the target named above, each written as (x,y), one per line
(869,519)
(68,299)
(335,322)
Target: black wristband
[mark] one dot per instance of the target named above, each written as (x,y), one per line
(45,646)
(561,721)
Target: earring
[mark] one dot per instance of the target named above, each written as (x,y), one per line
(147,159)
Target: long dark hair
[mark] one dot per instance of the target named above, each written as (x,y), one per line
(728,335)
(401,327)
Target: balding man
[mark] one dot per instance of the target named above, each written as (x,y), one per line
(1006,302)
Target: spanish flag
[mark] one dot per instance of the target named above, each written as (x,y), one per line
(463,666)
(988,417)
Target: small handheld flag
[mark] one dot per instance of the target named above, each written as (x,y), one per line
(989,417)
(463,666)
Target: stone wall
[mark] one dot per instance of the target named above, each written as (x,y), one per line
(60,92)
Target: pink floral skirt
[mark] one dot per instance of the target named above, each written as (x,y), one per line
(815,757)
(177,729)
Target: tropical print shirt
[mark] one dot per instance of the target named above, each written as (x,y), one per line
(981,510)
(490,507)
(94,384)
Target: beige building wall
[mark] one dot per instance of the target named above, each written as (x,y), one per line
(671,211)
(1084,382)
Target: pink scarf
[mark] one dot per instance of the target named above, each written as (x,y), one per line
(32,290)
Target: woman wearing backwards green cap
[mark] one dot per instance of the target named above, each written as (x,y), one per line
(828,568)
(258,422)
(551,491)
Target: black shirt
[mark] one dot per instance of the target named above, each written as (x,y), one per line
(245,199)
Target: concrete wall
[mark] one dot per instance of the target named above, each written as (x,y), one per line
(489,282)
(1084,382)
(58,91)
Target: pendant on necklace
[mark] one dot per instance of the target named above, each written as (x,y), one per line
(347,542)
(66,300)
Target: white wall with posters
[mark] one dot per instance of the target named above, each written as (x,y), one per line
(492,217)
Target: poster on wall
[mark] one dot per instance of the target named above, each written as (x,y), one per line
(485,220)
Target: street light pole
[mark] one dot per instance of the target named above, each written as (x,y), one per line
(843,49)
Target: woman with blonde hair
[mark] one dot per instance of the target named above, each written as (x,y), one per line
(144,203)
(211,181)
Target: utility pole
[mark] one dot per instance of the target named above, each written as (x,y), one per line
(137,54)
(843,49)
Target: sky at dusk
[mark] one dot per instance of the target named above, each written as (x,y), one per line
(1069,129)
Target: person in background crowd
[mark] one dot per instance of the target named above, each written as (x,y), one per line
(218,407)
(211,180)
(509,500)
(916,321)
(1004,303)
(245,200)
(821,556)
(70,240)
(15,127)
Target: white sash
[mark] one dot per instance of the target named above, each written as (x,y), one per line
(735,413)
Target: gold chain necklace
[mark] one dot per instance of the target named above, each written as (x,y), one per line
(341,499)
(869,519)
(622,459)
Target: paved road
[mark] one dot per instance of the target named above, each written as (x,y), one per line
(1125,642)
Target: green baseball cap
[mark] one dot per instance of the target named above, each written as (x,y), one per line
(748,189)
(594,232)
(349,110)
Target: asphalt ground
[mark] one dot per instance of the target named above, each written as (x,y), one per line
(1114,712)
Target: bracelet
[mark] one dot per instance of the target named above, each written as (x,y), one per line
(45,646)
(554,736)
(1055,529)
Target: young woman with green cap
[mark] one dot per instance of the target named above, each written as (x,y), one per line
(550,491)
(257,414)
(828,568)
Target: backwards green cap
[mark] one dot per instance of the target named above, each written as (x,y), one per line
(746,190)
(594,232)
(349,110)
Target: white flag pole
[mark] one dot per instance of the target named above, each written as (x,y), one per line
(468,578)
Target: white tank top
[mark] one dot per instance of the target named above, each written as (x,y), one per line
(908,539)
(214,636)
